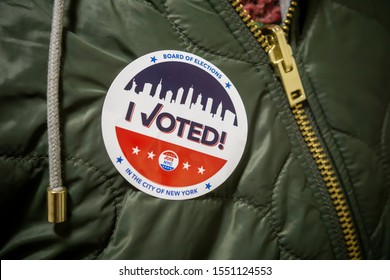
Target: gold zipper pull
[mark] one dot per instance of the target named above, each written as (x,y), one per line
(280,55)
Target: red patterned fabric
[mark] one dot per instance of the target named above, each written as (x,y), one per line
(265,11)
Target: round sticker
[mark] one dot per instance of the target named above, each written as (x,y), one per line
(168,160)
(174,125)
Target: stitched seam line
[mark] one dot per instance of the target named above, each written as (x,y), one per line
(235,199)
(251,40)
(113,193)
(187,41)
(384,158)
(276,228)
(79,162)
(349,177)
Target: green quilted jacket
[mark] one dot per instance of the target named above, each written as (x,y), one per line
(314,178)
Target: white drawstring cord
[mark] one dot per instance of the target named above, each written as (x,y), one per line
(56,192)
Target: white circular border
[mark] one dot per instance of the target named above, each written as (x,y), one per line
(110,120)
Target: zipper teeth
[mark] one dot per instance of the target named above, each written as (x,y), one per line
(250,23)
(254,28)
(312,141)
(290,14)
(331,181)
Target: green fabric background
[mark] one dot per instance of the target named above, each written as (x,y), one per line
(273,206)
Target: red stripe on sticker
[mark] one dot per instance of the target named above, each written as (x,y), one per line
(165,163)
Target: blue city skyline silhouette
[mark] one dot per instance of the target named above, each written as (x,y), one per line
(175,75)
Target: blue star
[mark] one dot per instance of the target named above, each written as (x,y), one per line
(208,186)
(228,85)
(153,59)
(119,160)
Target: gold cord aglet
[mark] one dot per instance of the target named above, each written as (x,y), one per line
(56,205)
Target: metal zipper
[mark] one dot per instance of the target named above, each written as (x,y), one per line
(272,39)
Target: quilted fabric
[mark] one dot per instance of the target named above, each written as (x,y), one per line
(274,205)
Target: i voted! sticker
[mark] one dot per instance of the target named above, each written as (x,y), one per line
(174,125)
